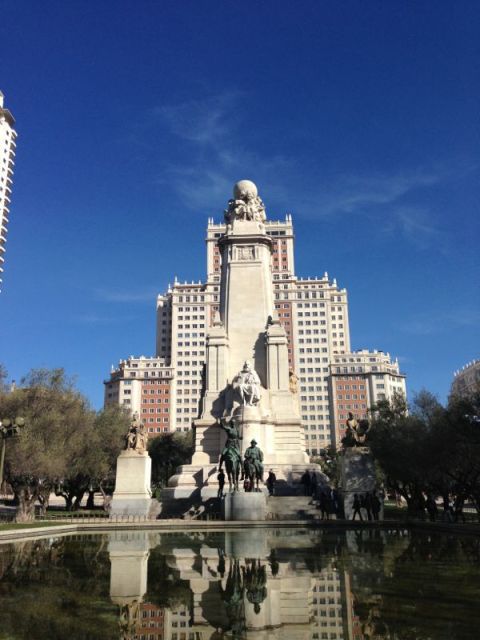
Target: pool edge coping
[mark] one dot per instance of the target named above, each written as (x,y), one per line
(14,535)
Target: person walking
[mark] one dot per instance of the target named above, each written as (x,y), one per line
(313,485)
(221,483)
(376,506)
(431,507)
(356,507)
(458,509)
(335,503)
(323,503)
(368,505)
(271,481)
(305,480)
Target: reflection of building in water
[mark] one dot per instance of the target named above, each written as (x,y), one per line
(163,623)
(152,621)
(254,585)
(353,626)
(178,624)
(328,606)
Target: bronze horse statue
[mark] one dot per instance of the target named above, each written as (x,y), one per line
(253,473)
(233,467)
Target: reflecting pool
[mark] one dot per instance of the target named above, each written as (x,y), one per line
(265,584)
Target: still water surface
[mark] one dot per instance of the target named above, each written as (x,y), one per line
(272,584)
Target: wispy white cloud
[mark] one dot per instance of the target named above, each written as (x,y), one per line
(356,193)
(388,202)
(416,224)
(219,151)
(428,324)
(206,121)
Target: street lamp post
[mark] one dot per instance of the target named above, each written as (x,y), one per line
(8,429)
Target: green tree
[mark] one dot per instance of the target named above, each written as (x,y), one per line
(168,451)
(431,449)
(92,461)
(329,461)
(456,448)
(56,416)
(111,426)
(400,443)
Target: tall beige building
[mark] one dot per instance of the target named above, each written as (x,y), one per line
(314,314)
(8,137)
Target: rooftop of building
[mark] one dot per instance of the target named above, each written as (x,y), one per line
(473,364)
(6,113)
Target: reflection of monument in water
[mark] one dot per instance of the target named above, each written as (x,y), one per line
(247,377)
(255,585)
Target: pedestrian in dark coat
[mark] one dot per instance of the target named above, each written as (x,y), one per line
(305,480)
(356,507)
(271,481)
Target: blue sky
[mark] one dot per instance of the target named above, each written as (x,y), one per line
(135,118)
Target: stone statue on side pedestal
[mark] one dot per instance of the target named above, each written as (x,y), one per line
(137,436)
(132,495)
(356,433)
(246,385)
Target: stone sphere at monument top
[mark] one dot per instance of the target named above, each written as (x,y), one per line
(243,188)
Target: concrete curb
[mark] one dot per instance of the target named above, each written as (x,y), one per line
(14,535)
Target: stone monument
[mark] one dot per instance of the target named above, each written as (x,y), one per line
(357,472)
(132,495)
(248,382)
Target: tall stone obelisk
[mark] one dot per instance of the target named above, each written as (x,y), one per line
(246,330)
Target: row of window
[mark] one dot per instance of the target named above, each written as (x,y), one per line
(346,407)
(353,396)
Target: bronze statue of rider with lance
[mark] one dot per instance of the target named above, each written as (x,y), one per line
(231,455)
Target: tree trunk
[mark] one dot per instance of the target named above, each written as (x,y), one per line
(91,500)
(44,499)
(26,505)
(106,498)
(78,500)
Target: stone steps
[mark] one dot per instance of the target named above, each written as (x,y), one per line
(291,507)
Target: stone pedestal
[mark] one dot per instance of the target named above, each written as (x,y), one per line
(132,495)
(251,427)
(240,505)
(357,477)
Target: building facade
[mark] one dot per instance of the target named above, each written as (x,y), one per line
(143,385)
(359,380)
(8,138)
(466,381)
(313,312)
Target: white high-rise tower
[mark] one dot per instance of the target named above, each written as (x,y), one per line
(8,136)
